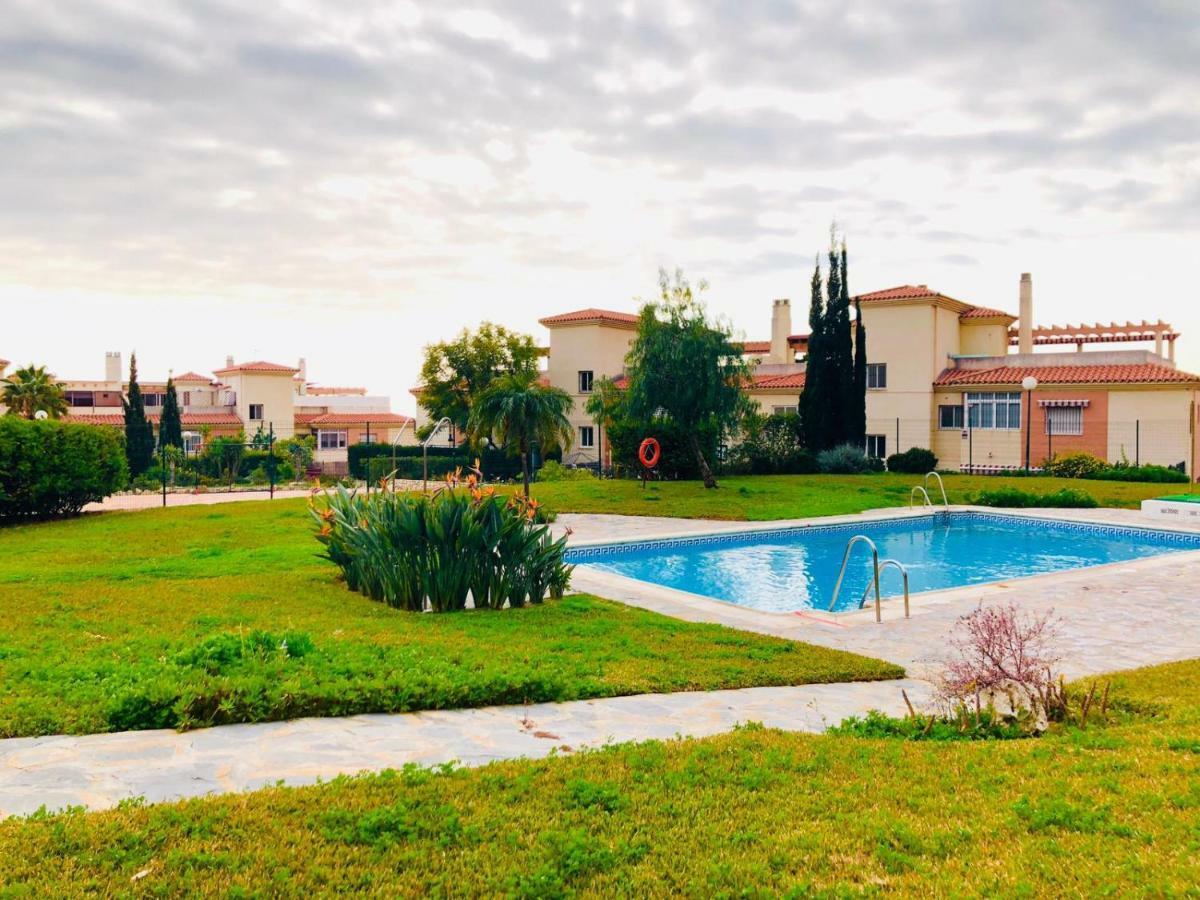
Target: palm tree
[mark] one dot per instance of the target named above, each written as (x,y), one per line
(518,410)
(32,389)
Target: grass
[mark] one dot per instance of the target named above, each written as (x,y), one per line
(1108,811)
(176,618)
(768,497)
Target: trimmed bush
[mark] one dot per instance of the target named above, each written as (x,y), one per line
(1015,498)
(52,468)
(847,460)
(914,461)
(1074,465)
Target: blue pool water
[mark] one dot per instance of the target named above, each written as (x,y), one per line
(796,569)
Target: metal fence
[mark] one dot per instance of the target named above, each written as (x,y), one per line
(1047,433)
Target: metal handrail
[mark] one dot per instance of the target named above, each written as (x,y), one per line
(883,564)
(913,493)
(941,484)
(846,559)
(395,441)
(445,420)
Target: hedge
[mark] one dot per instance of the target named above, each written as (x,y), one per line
(677,460)
(497,465)
(51,468)
(913,461)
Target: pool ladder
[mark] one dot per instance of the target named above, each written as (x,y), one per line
(878,566)
(923,490)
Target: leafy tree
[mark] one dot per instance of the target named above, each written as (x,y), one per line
(456,373)
(170,426)
(516,411)
(685,369)
(139,433)
(31,390)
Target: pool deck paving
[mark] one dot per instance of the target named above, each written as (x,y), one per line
(1112,617)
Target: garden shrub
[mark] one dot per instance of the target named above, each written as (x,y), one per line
(1074,465)
(375,460)
(50,468)
(961,725)
(771,445)
(410,551)
(1015,498)
(676,462)
(556,471)
(914,461)
(847,459)
(1148,473)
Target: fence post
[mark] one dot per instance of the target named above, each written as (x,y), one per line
(369,456)
(162,465)
(271,459)
(1137,442)
(897,450)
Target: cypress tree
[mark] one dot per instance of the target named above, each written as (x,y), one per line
(813,409)
(839,355)
(859,397)
(139,433)
(170,426)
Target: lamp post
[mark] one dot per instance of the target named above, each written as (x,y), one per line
(425,451)
(1029,383)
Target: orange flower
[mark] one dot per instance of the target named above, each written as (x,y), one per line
(327,514)
(325,530)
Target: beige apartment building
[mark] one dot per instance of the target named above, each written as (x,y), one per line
(942,374)
(244,398)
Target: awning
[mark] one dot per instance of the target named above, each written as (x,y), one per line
(1076,403)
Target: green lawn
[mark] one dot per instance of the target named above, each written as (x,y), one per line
(1113,810)
(151,619)
(766,497)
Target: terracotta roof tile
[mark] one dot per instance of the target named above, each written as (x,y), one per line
(193,376)
(185,418)
(756,346)
(769,382)
(591,314)
(901,292)
(258,366)
(984,312)
(1139,373)
(352,418)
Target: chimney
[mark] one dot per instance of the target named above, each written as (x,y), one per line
(1025,315)
(781,329)
(303,367)
(229,362)
(112,366)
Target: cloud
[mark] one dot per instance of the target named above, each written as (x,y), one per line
(382,154)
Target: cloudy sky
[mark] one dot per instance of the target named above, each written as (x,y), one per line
(349,181)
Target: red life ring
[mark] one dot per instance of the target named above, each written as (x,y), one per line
(649,452)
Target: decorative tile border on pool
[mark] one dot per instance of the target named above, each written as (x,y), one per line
(742,538)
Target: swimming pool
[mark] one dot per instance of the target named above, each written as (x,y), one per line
(796,568)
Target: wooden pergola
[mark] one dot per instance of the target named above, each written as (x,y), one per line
(1112,333)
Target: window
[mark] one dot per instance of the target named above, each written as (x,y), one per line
(877,446)
(1064,420)
(587,435)
(256,412)
(331,440)
(950,416)
(783,410)
(585,381)
(79,398)
(187,398)
(152,399)
(876,376)
(992,411)
(192,442)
